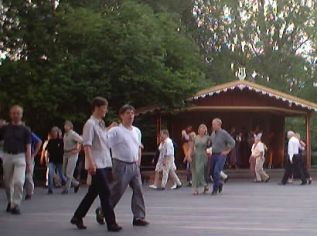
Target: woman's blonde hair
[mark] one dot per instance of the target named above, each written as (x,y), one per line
(203,126)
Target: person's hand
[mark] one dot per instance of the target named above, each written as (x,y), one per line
(92,169)
(113,124)
(75,151)
(224,153)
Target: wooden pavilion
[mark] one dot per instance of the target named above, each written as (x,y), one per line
(244,107)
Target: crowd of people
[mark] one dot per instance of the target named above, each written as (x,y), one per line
(205,157)
(113,157)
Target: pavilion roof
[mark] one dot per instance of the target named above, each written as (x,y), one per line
(260,89)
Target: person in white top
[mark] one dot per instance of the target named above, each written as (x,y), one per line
(125,143)
(98,157)
(294,159)
(166,163)
(257,152)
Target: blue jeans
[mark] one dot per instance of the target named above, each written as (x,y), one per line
(218,163)
(51,171)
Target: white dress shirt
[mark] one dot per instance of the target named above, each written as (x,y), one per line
(293,147)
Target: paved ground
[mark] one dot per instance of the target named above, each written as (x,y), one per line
(243,209)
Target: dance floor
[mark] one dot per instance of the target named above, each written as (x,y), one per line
(244,208)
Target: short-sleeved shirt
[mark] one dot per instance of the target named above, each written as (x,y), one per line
(125,143)
(71,139)
(95,135)
(55,149)
(35,141)
(15,138)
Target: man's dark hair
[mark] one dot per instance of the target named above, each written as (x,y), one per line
(126,107)
(98,102)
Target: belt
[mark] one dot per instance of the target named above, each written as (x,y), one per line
(216,153)
(125,162)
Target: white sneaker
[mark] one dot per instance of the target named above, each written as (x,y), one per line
(153,186)
(175,186)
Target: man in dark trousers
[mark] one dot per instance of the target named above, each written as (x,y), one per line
(16,158)
(98,157)
(294,163)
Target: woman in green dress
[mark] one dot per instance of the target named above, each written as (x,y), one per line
(199,159)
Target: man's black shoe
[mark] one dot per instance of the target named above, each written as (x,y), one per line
(15,211)
(76,188)
(303,183)
(78,222)
(220,188)
(8,208)
(99,216)
(114,228)
(28,197)
(140,222)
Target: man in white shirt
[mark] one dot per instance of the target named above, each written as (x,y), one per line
(98,158)
(294,162)
(125,143)
(166,163)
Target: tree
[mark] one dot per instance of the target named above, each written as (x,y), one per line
(270,38)
(126,52)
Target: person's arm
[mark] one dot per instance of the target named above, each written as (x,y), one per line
(38,144)
(79,140)
(88,136)
(37,148)
(230,143)
(113,124)
(140,146)
(190,151)
(28,158)
(113,138)
(90,161)
(302,145)
(43,153)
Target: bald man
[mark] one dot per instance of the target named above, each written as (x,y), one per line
(16,158)
(222,143)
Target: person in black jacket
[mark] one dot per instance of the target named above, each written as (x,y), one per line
(55,151)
